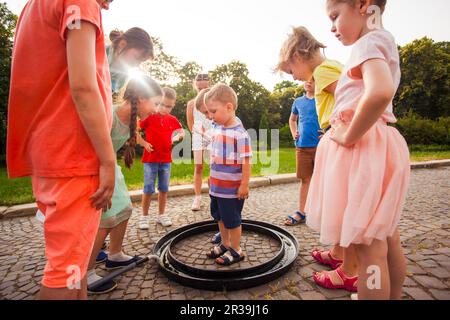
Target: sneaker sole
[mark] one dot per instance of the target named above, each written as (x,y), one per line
(115,268)
(91,293)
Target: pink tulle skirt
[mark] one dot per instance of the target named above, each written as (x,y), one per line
(357,194)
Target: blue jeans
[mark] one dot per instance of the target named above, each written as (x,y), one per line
(153,170)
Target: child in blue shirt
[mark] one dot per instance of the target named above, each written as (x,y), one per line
(305,130)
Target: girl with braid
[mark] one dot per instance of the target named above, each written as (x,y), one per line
(141,97)
(127,51)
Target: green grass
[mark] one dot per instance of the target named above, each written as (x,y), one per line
(18,191)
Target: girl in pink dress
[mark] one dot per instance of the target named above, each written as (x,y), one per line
(362,170)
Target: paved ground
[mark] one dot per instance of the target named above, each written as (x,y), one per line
(425,228)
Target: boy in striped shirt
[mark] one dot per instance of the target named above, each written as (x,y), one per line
(230,168)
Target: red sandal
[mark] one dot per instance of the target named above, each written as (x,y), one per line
(332,262)
(349,284)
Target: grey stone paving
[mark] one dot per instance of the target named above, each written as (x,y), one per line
(425,229)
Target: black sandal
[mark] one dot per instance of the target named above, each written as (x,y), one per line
(217,251)
(230,257)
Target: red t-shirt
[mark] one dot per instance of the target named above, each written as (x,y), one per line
(158,132)
(45,135)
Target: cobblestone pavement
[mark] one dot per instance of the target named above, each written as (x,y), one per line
(425,229)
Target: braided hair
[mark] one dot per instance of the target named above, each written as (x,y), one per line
(143,87)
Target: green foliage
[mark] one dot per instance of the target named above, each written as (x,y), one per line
(254,100)
(164,67)
(286,140)
(284,85)
(425,83)
(284,98)
(7,25)
(420,131)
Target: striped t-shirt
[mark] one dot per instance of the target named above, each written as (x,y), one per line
(229,148)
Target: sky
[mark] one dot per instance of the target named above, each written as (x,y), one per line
(215,32)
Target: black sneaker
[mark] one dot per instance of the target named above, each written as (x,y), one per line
(101,257)
(111,265)
(104,288)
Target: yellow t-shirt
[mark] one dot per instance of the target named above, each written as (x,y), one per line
(324,75)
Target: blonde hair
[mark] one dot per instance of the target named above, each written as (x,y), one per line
(200,77)
(380,3)
(169,93)
(222,93)
(302,42)
(199,102)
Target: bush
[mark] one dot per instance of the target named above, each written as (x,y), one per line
(419,131)
(286,137)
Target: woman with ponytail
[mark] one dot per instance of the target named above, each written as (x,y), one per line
(139,101)
(127,51)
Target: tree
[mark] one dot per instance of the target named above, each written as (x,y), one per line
(285,84)
(253,98)
(188,72)
(425,83)
(284,98)
(165,66)
(185,91)
(8,23)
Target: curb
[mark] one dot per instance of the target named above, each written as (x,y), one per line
(29,209)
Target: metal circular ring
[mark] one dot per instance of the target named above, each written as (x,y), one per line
(179,265)
(218,280)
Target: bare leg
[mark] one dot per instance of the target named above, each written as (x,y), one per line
(397,266)
(146,201)
(162,200)
(82,293)
(350,264)
(304,187)
(337,252)
(225,234)
(99,240)
(198,172)
(374,277)
(116,237)
(60,293)
(235,237)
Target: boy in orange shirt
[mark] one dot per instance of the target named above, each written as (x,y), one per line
(58,131)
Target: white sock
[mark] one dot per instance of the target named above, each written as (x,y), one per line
(145,218)
(198,197)
(92,277)
(119,257)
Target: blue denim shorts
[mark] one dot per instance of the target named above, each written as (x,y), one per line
(229,211)
(153,170)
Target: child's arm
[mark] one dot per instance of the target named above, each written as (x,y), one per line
(139,140)
(293,124)
(190,115)
(81,60)
(372,104)
(331,88)
(179,136)
(243,190)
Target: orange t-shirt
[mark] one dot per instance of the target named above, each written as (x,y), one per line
(45,135)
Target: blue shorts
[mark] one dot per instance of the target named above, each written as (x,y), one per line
(153,170)
(229,211)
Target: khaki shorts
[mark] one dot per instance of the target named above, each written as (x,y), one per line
(305,162)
